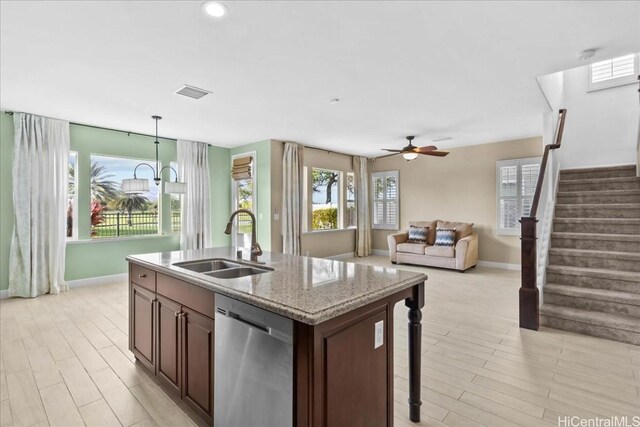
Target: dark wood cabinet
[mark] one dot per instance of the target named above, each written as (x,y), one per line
(169,349)
(142,325)
(197,360)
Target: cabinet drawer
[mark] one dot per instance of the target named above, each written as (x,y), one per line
(142,276)
(192,296)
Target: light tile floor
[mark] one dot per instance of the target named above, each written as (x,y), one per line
(64,362)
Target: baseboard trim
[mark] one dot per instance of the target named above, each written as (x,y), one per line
(348,255)
(500,265)
(89,281)
(100,280)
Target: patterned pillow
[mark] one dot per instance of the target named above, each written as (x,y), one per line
(418,234)
(445,237)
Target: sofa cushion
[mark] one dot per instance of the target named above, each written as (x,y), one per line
(463,229)
(413,248)
(431,235)
(441,251)
(418,234)
(445,237)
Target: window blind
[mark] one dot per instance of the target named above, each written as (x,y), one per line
(516,182)
(385,200)
(612,68)
(241,168)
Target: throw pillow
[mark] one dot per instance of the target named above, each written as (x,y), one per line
(445,237)
(418,234)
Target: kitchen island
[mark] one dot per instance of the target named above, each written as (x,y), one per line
(335,317)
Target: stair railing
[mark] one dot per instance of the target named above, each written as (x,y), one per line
(529,293)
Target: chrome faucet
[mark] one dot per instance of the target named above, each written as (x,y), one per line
(256,250)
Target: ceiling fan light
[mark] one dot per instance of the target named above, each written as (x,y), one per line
(410,156)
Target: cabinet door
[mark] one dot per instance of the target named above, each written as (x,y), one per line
(197,361)
(168,354)
(142,323)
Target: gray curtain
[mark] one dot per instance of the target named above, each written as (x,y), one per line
(193,167)
(363,230)
(40,179)
(292,198)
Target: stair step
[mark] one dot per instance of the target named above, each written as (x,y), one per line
(596,241)
(599,196)
(597,225)
(599,172)
(589,258)
(613,210)
(599,184)
(596,278)
(605,325)
(605,300)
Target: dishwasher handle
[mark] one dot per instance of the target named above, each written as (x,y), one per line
(247,322)
(273,332)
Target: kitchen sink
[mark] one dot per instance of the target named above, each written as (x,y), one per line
(221,268)
(234,273)
(203,266)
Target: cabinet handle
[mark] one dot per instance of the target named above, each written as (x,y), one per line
(177,314)
(142,276)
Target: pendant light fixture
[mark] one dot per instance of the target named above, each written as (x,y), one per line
(139,185)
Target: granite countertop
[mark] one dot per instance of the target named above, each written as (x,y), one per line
(309,290)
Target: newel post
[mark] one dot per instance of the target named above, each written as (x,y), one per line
(529,298)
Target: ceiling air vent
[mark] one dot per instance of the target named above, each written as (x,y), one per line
(192,92)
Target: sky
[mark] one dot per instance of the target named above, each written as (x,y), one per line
(122,168)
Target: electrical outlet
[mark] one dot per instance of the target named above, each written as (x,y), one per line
(379,334)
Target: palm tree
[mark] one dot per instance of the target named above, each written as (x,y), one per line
(129,203)
(102,187)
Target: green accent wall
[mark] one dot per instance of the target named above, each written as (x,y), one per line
(93,258)
(263,188)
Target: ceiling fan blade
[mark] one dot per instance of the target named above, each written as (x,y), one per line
(426,149)
(392,151)
(436,153)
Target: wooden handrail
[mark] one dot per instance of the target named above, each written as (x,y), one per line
(529,294)
(545,158)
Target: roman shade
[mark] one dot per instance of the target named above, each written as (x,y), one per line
(241,168)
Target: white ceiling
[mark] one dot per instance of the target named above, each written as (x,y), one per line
(435,69)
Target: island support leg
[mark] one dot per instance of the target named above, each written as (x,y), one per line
(415,303)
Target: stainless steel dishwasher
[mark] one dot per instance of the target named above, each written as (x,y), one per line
(253,366)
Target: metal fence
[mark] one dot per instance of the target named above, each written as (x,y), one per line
(118,224)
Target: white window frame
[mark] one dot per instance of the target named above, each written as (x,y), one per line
(345,192)
(142,173)
(385,225)
(613,82)
(254,195)
(518,197)
(174,164)
(74,201)
(308,199)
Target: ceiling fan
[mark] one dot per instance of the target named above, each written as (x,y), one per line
(410,152)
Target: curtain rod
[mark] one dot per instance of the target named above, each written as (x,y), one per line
(129,133)
(322,149)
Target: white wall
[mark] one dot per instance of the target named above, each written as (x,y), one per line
(601,126)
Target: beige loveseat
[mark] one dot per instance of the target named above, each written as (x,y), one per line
(461,257)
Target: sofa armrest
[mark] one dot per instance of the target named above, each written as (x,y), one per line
(467,252)
(394,240)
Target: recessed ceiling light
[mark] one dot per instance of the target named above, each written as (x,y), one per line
(587,54)
(444,138)
(214,9)
(334,101)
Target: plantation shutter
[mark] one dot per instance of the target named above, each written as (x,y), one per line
(241,168)
(516,184)
(613,72)
(385,200)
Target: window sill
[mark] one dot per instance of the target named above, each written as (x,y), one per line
(304,233)
(122,239)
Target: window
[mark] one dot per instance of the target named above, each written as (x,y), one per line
(243,195)
(613,72)
(350,218)
(516,184)
(385,199)
(72,194)
(115,214)
(174,201)
(325,199)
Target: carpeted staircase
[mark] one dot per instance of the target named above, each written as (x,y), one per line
(593,277)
